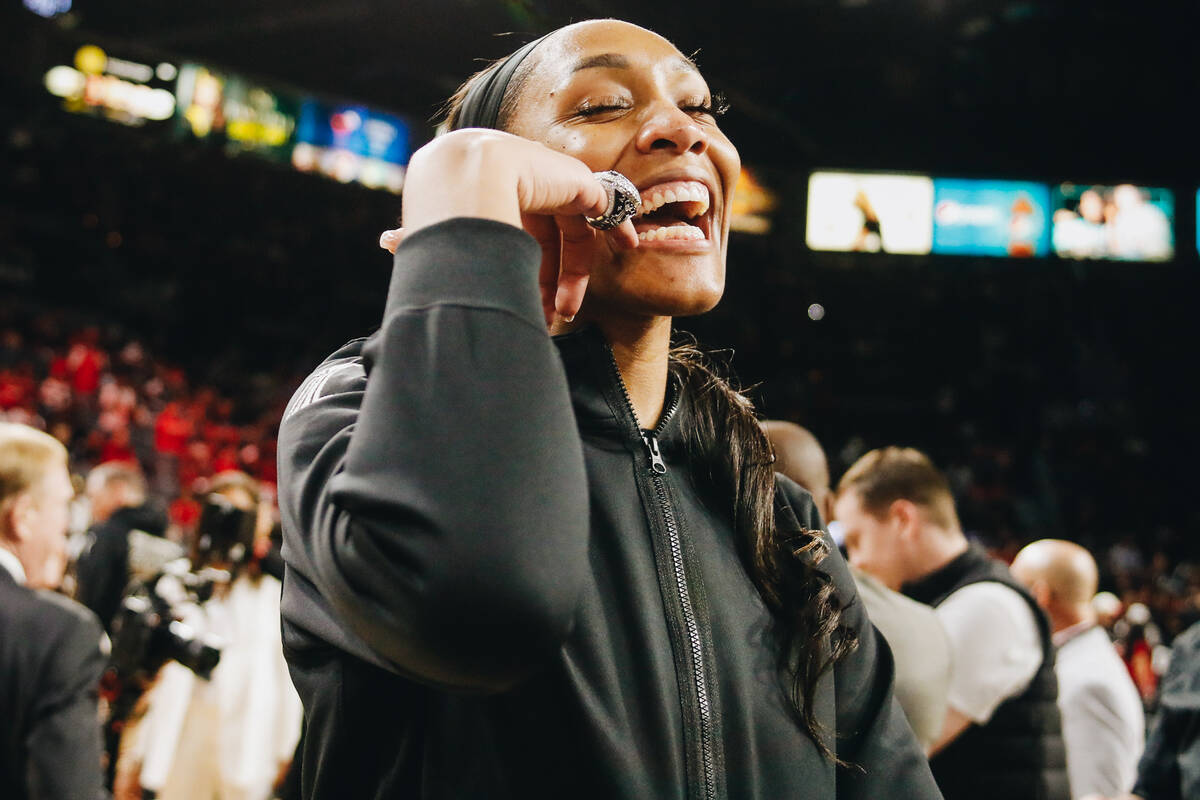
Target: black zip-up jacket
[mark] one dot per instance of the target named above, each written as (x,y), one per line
(499,586)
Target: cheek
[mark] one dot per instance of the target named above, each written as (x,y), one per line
(598,147)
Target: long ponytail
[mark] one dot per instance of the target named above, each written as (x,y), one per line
(732,457)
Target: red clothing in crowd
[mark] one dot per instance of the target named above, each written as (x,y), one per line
(172,430)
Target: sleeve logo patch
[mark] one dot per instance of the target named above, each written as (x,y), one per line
(313,387)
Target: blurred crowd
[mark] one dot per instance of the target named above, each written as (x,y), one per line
(99,391)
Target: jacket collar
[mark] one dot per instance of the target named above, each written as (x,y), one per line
(599,397)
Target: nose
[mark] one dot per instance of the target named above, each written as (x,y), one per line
(670,128)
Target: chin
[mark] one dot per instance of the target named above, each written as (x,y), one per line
(659,287)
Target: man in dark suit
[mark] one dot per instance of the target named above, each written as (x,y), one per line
(120,517)
(51,648)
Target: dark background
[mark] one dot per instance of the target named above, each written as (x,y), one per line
(1057,394)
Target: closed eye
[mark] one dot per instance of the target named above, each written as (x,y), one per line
(716,106)
(602,107)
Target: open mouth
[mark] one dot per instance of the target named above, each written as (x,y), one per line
(674,211)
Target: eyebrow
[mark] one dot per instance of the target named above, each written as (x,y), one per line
(618,61)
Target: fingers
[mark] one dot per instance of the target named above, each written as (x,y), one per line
(578,239)
(624,236)
(554,184)
(390,240)
(549,239)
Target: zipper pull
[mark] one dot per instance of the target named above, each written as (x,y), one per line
(656,460)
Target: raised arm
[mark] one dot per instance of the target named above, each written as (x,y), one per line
(438,505)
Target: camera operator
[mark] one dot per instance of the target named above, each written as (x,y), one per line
(120,517)
(230,737)
(52,650)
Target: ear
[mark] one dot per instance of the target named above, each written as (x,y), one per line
(905,515)
(825,506)
(1041,593)
(18,516)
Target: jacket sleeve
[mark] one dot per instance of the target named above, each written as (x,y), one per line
(873,737)
(442,512)
(63,741)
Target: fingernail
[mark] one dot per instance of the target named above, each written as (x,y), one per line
(569,319)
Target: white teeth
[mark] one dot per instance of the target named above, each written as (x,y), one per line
(685,232)
(691,192)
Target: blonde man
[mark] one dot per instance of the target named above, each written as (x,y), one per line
(51,648)
(1002,734)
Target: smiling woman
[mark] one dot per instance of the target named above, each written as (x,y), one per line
(524,565)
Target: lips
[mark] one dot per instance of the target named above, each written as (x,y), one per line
(674,210)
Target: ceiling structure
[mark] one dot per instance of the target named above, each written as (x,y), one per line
(1049,90)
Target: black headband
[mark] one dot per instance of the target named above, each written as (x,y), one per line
(481,105)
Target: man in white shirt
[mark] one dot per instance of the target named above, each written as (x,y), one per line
(1001,736)
(1103,721)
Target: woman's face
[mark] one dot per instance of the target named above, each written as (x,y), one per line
(617,96)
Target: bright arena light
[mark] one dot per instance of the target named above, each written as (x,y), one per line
(816,312)
(48,8)
(63,81)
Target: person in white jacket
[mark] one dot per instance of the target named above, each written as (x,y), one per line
(231,737)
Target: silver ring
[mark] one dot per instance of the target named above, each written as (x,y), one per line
(624,200)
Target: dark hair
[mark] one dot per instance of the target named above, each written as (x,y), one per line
(732,459)
(881,477)
(453,105)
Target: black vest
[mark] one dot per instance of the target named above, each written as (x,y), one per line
(1019,753)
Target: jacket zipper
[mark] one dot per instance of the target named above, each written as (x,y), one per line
(658,468)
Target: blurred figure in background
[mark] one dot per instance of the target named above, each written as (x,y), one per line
(1108,608)
(1002,736)
(1138,636)
(52,650)
(912,630)
(117,493)
(1170,767)
(233,737)
(1103,722)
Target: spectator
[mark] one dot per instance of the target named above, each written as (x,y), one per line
(1103,723)
(117,492)
(233,737)
(912,630)
(52,650)
(1170,767)
(1002,735)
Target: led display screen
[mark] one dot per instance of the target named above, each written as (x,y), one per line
(225,108)
(870,212)
(753,204)
(352,143)
(99,84)
(1122,222)
(991,218)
